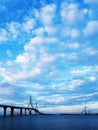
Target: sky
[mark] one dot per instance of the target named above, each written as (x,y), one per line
(49,50)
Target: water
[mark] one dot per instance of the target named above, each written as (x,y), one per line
(50,122)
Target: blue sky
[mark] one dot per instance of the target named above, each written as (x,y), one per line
(49,50)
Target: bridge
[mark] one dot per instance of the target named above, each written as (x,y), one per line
(29,108)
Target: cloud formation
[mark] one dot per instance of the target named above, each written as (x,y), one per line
(50,52)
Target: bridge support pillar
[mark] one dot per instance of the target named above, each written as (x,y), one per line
(21,111)
(4,110)
(25,111)
(12,111)
(30,112)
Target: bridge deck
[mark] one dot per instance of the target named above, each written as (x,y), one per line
(16,107)
(20,107)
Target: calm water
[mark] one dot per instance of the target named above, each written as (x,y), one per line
(56,122)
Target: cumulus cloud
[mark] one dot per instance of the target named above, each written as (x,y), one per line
(22,59)
(47,14)
(55,99)
(90,51)
(71,14)
(53,52)
(29,25)
(13,29)
(74,45)
(77,72)
(3,35)
(70,32)
(92,78)
(75,33)
(91,29)
(76,83)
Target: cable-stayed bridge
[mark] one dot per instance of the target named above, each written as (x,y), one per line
(29,108)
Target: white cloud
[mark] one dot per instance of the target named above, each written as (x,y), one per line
(47,58)
(84,71)
(70,109)
(36,40)
(74,45)
(92,78)
(59,109)
(66,108)
(51,46)
(9,53)
(3,72)
(51,31)
(90,51)
(69,57)
(41,40)
(22,59)
(34,93)
(9,63)
(47,14)
(72,56)
(65,32)
(55,99)
(40,32)
(7,91)
(76,83)
(70,32)
(14,29)
(75,33)
(47,30)
(29,25)
(71,14)
(3,35)
(91,29)
(25,75)
(77,72)
(31,50)
(62,86)
(11,72)
(91,69)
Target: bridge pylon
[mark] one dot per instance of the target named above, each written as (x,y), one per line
(30,105)
(36,107)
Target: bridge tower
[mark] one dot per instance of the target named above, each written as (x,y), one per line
(30,104)
(36,107)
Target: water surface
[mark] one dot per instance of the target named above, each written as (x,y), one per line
(50,122)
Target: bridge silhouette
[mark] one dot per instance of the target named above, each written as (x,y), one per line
(29,108)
